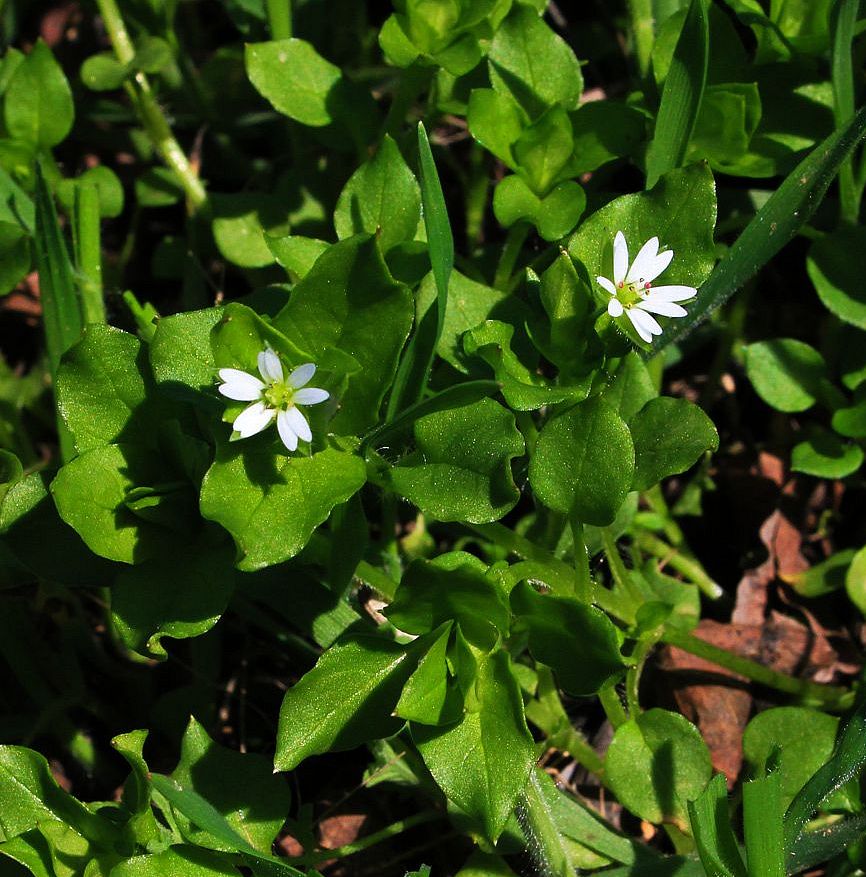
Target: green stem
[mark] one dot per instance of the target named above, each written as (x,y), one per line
(656,501)
(372,839)
(810,693)
(88,256)
(612,706)
(583,579)
(618,569)
(675,558)
(510,251)
(641,12)
(149,113)
(632,677)
(413,81)
(280,18)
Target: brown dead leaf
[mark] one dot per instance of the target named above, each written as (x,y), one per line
(340,829)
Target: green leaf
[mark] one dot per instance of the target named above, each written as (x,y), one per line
(786,373)
(680,210)
(822,578)
(528,62)
(103,72)
(176,861)
(241,222)
(92,493)
(800,738)
(460,469)
(524,390)
(578,641)
(347,299)
(158,187)
(603,131)
(483,762)
(179,595)
(850,420)
(382,197)
(469,303)
(631,387)
(241,787)
(203,814)
(14,255)
(61,313)
(554,215)
(347,699)
(657,762)
(710,819)
(834,274)
(824,455)
(102,389)
(181,358)
(108,187)
(681,96)
(583,463)
(496,122)
(296,254)
(414,370)
(762,826)
(669,436)
(569,307)
(453,587)
(543,149)
(727,121)
(295,78)
(38,104)
(855,580)
(430,695)
(777,222)
(271,505)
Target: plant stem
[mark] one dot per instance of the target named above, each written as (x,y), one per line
(88,256)
(280,18)
(149,113)
(612,706)
(583,579)
(675,557)
(413,81)
(811,693)
(641,12)
(618,569)
(656,501)
(510,251)
(843,20)
(375,838)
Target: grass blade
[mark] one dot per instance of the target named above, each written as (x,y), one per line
(763,828)
(681,97)
(776,223)
(414,368)
(61,312)
(843,21)
(711,827)
(848,758)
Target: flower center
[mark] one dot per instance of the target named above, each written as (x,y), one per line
(278,395)
(629,294)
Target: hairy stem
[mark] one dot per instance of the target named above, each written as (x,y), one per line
(88,255)
(280,18)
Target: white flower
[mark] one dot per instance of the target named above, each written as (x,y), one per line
(632,291)
(273,396)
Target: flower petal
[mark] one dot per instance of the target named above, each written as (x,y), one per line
(662,260)
(299,424)
(270,367)
(620,258)
(253,419)
(643,263)
(615,308)
(660,306)
(310,396)
(302,375)
(606,285)
(673,293)
(239,385)
(646,325)
(284,427)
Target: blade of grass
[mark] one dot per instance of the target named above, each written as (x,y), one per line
(843,21)
(61,311)
(820,846)
(848,758)
(681,97)
(417,359)
(711,827)
(776,223)
(762,826)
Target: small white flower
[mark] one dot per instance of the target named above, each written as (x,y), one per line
(273,396)
(632,291)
